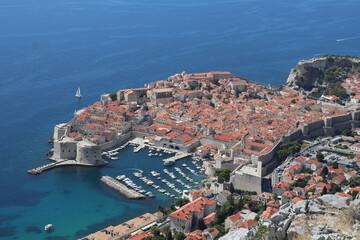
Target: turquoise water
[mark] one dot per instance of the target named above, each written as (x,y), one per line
(49,48)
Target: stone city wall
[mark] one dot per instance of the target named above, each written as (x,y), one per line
(116,142)
(325,127)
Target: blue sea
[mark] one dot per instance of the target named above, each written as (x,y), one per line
(50,48)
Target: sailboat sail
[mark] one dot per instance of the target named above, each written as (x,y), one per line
(78,94)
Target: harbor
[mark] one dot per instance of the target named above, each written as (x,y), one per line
(167,181)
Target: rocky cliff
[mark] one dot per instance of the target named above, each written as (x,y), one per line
(328,217)
(308,74)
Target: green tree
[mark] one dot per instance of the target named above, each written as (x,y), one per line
(155,230)
(354,181)
(169,236)
(334,188)
(307,170)
(354,194)
(336,89)
(288,149)
(180,236)
(223,175)
(335,165)
(113,96)
(181,202)
(320,157)
(324,172)
(226,209)
(261,232)
(239,205)
(324,191)
(200,225)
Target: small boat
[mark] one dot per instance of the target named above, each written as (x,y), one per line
(120,177)
(48,227)
(155,174)
(184,165)
(169,162)
(78,94)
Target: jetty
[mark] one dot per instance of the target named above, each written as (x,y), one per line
(178,156)
(59,163)
(121,188)
(138,148)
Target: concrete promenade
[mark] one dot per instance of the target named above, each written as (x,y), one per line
(121,188)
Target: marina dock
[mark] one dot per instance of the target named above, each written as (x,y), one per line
(138,148)
(178,156)
(121,188)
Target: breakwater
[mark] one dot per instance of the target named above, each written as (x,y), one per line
(61,163)
(121,188)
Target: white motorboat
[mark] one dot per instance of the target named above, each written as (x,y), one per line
(48,227)
(120,177)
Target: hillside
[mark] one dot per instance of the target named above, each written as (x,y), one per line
(327,217)
(320,74)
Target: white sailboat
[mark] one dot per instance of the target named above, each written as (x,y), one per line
(78,94)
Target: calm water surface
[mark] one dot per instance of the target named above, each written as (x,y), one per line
(49,48)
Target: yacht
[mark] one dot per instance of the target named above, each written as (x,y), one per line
(77,95)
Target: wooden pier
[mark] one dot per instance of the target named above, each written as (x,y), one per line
(121,188)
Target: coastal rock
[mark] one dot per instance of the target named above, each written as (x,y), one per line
(314,207)
(328,217)
(335,201)
(296,230)
(356,209)
(308,73)
(300,207)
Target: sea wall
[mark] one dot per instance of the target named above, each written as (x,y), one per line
(121,188)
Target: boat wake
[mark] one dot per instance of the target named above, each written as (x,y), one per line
(346,39)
